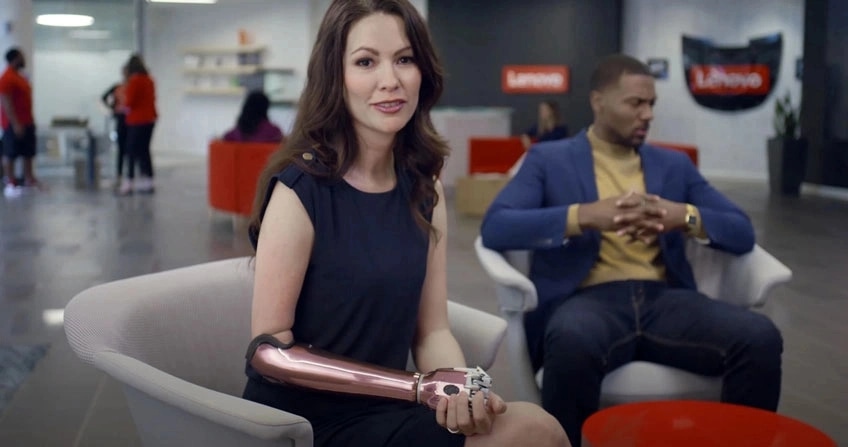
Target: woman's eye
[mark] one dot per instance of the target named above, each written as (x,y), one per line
(406,60)
(364,62)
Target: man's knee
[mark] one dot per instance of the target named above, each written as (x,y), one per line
(566,339)
(762,335)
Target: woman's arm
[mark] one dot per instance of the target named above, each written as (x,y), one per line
(108,98)
(282,255)
(434,345)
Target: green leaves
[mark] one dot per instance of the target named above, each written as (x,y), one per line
(786,117)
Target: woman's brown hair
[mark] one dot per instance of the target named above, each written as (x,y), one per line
(555,120)
(323,125)
(136,65)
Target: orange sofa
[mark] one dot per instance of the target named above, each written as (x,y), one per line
(499,154)
(234,170)
(493,154)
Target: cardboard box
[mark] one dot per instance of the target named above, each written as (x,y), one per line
(475,193)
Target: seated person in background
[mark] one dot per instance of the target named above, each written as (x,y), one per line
(608,218)
(549,126)
(253,124)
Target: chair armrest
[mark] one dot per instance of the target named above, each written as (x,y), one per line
(744,280)
(478,333)
(515,291)
(750,277)
(256,421)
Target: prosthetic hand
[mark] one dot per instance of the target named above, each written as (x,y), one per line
(312,368)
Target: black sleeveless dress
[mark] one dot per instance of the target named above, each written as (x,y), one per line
(359,299)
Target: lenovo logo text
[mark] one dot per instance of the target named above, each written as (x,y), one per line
(729,79)
(534,79)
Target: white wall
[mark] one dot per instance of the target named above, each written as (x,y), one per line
(731,144)
(187,122)
(16,26)
(70,83)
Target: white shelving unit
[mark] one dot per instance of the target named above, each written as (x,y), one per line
(221,71)
(231,71)
(216,91)
(234,70)
(238,49)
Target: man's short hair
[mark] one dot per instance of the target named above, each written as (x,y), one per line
(12,54)
(611,68)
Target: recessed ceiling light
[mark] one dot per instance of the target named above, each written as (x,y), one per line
(64,20)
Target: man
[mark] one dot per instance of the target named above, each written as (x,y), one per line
(608,218)
(17,120)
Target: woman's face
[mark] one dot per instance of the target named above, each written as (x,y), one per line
(381,77)
(545,112)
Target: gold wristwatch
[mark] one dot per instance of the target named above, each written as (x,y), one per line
(691,219)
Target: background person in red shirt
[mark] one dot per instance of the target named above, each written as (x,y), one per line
(140,103)
(17,121)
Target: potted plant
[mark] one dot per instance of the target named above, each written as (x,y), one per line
(787,150)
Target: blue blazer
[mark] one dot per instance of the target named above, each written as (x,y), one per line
(530,214)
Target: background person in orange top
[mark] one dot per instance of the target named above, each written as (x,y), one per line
(114,99)
(140,101)
(17,120)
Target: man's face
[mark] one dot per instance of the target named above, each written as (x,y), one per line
(623,112)
(19,62)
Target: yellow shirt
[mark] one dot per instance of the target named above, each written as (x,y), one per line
(618,169)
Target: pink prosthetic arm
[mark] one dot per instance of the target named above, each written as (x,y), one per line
(313,368)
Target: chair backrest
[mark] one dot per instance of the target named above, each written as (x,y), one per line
(189,322)
(234,169)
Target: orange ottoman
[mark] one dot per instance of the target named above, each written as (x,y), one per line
(697,424)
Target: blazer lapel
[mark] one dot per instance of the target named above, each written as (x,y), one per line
(653,171)
(585,167)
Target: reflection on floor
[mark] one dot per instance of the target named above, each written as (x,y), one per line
(57,243)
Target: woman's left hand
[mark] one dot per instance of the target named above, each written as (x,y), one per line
(456,415)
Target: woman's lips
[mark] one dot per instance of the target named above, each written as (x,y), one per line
(389,106)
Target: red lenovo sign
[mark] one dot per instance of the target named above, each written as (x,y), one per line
(748,79)
(534,79)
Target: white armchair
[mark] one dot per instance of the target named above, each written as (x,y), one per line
(177,339)
(745,279)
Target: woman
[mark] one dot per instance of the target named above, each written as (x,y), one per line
(350,233)
(549,126)
(140,102)
(253,124)
(114,99)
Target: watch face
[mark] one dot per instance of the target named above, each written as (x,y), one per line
(691,220)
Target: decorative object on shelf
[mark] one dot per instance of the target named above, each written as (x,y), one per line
(245,37)
(787,150)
